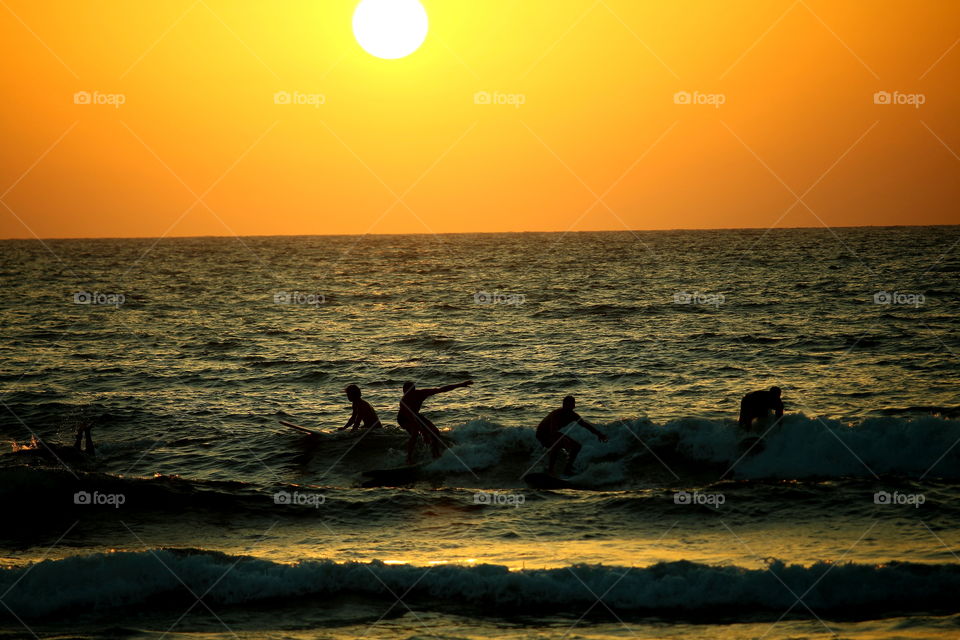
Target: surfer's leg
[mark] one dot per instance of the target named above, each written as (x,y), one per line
(411,428)
(89,440)
(432,435)
(572,447)
(744,419)
(554,450)
(411,447)
(83,433)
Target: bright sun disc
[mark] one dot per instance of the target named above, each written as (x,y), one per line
(390,28)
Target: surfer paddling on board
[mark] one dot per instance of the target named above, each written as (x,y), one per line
(550,435)
(414,423)
(759,404)
(363,413)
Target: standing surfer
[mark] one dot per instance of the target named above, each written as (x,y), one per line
(759,404)
(550,435)
(414,423)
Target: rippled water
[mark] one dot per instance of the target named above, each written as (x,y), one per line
(194,348)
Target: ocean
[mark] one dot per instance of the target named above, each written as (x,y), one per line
(201,516)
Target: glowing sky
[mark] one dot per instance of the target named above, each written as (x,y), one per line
(268,118)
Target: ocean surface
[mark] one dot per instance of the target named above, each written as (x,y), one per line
(201,516)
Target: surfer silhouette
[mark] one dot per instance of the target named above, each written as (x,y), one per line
(759,404)
(414,423)
(549,434)
(363,413)
(83,435)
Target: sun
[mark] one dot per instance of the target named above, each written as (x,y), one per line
(390,28)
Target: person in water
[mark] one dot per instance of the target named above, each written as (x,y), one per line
(83,435)
(363,413)
(62,454)
(414,423)
(759,404)
(550,435)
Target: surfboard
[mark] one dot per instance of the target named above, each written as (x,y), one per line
(539,480)
(310,432)
(392,477)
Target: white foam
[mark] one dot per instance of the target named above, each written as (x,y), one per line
(800,447)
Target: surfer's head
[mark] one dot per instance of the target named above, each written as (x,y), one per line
(775,392)
(407,386)
(353,392)
(569,402)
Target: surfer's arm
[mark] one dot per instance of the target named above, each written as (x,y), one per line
(449,387)
(353,421)
(778,408)
(592,429)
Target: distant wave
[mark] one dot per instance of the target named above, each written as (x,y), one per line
(107,582)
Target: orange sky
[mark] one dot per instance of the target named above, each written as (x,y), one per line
(199,147)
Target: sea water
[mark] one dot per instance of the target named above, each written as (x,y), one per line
(200,514)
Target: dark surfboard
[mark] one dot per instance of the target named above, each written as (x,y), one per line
(396,477)
(309,432)
(546,481)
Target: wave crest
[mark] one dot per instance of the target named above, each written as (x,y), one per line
(126,579)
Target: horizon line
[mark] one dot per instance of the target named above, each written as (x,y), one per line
(36,238)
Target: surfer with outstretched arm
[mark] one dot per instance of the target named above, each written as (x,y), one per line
(550,435)
(363,413)
(414,423)
(759,404)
